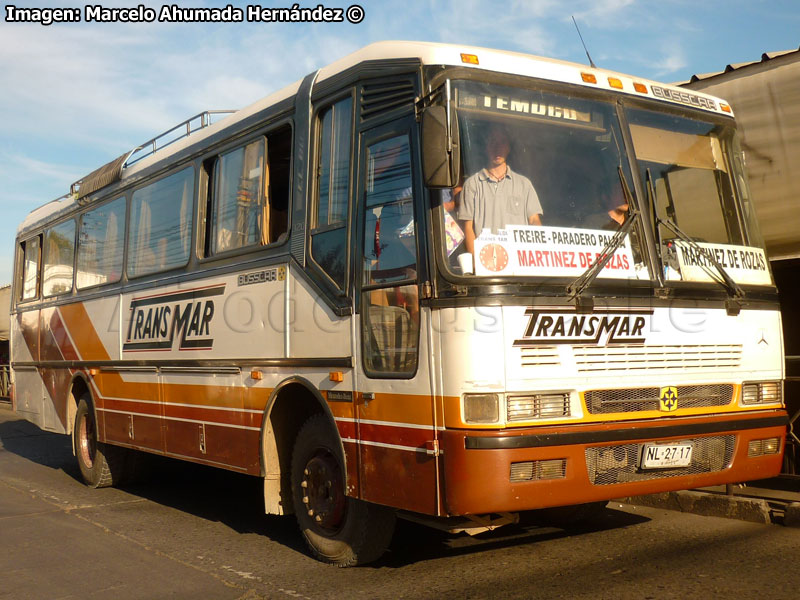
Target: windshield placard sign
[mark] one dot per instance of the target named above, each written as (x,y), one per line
(542,251)
(744,264)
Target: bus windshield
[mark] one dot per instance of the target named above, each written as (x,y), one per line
(545,184)
(542,190)
(692,170)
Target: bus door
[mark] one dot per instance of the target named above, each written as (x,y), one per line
(394,403)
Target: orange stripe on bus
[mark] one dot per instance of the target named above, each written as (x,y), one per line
(399,408)
(80,326)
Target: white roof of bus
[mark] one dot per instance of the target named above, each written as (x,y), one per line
(428,53)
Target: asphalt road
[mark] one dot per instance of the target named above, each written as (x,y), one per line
(199,533)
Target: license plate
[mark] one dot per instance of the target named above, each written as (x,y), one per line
(666,456)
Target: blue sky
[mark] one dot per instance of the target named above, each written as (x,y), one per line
(75,95)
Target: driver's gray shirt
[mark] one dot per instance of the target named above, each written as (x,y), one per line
(496,204)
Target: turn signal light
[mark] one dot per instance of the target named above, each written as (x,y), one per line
(538,469)
(763,447)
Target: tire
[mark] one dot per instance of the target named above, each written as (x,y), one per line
(101,465)
(339,530)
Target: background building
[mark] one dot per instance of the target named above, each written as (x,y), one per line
(765,96)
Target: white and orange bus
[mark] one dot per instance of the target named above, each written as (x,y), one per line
(299,291)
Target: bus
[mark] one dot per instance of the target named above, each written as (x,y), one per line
(346,290)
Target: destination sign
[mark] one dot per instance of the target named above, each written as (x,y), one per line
(520,105)
(745,264)
(528,250)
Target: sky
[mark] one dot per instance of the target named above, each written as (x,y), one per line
(74,96)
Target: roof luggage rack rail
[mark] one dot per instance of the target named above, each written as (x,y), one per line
(180,131)
(111,172)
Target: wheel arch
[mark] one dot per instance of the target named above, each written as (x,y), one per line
(293,401)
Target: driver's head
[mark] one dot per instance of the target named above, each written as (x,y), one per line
(497,146)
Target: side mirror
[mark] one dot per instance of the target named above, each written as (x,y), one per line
(441,159)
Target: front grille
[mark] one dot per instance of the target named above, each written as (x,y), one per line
(591,359)
(604,402)
(608,465)
(542,356)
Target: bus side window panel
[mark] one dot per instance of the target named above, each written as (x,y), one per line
(390,310)
(30,251)
(240,198)
(100,244)
(329,233)
(248,194)
(59,254)
(278,178)
(160,227)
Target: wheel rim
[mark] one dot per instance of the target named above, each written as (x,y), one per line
(86,441)
(323,492)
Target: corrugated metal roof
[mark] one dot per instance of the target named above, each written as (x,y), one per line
(766,56)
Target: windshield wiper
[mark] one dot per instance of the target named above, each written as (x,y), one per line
(576,288)
(735,293)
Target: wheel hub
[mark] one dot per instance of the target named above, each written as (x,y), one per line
(86,441)
(323,492)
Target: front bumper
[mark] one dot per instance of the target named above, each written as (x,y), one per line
(601,460)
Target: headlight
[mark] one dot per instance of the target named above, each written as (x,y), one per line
(549,405)
(762,392)
(481,408)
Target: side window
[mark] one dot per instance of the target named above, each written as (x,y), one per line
(161,224)
(29,271)
(239,213)
(100,245)
(59,257)
(329,233)
(390,307)
(249,188)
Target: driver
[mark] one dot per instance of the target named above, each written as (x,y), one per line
(496,196)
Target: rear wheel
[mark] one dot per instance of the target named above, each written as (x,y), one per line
(338,529)
(101,465)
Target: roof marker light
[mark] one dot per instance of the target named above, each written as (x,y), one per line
(615,83)
(588,77)
(725,108)
(470,59)
(640,87)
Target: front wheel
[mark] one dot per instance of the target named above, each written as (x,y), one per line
(338,529)
(101,465)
